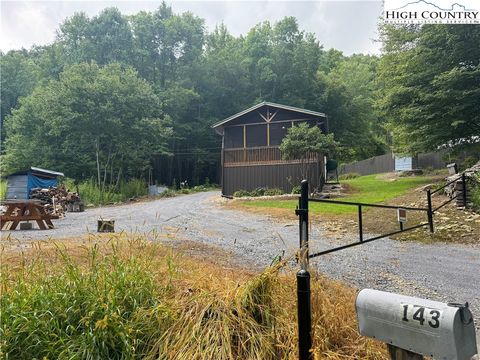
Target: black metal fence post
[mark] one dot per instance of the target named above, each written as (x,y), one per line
(303,215)
(360,224)
(304,315)
(464,190)
(429,210)
(303,280)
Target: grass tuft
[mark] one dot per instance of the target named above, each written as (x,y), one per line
(130,299)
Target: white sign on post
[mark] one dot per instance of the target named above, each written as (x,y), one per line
(402,215)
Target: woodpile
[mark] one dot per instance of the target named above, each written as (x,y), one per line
(57,200)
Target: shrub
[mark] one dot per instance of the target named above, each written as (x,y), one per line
(468,162)
(205,187)
(70,311)
(133,188)
(91,194)
(273,192)
(3,189)
(297,189)
(258,192)
(168,193)
(241,193)
(349,176)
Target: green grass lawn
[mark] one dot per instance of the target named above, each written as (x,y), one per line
(366,189)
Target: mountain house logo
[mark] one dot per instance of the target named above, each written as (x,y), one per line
(431,12)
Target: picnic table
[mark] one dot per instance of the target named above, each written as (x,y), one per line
(25,210)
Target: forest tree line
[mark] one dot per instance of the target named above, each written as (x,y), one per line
(118,97)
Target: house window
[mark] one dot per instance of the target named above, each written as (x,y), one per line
(256,135)
(234,137)
(278,132)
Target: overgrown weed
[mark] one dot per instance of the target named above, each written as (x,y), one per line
(126,298)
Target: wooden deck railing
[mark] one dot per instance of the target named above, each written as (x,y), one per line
(259,156)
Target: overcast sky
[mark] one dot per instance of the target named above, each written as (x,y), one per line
(349,26)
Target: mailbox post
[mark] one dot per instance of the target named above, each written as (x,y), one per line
(417,327)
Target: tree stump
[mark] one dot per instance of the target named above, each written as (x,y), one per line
(106,225)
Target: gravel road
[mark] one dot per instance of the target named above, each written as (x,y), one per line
(441,272)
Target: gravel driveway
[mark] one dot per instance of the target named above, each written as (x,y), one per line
(438,271)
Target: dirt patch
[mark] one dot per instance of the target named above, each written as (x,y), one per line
(281,214)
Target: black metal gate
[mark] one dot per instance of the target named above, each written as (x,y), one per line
(303,276)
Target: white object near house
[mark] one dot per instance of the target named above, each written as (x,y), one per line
(424,327)
(406,163)
(154,190)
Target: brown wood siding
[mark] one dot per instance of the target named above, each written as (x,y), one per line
(282,176)
(259,156)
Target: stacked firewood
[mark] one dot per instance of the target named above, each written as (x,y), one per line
(56,200)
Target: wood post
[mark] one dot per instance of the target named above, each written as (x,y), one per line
(461,191)
(106,225)
(400,354)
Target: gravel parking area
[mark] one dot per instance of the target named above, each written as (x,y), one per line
(443,272)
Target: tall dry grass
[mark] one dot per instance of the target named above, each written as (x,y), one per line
(126,298)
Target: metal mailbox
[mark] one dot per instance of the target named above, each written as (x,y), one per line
(429,328)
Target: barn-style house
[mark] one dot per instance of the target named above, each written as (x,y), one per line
(251,156)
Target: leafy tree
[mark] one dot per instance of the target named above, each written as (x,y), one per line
(75,37)
(347,94)
(105,38)
(19,77)
(430,85)
(181,75)
(167,46)
(96,121)
(282,62)
(302,141)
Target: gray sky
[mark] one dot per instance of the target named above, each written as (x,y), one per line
(349,26)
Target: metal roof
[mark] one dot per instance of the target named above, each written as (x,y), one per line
(47,171)
(39,170)
(280,106)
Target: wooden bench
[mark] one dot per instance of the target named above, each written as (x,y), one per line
(25,210)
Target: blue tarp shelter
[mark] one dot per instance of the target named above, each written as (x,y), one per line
(20,183)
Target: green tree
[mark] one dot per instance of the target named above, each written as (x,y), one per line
(347,94)
(302,141)
(193,80)
(167,46)
(282,62)
(430,85)
(19,77)
(75,37)
(103,122)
